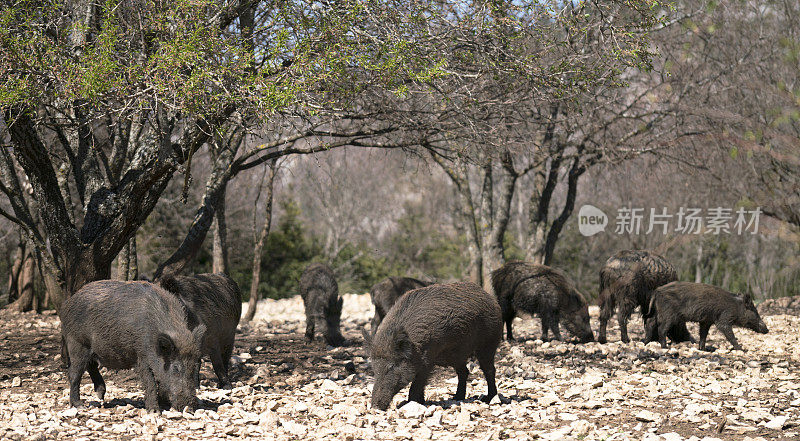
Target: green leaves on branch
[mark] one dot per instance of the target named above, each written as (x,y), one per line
(176,55)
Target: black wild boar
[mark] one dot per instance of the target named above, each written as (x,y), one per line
(217,303)
(626,281)
(438,325)
(323,305)
(541,290)
(681,302)
(385,293)
(124,325)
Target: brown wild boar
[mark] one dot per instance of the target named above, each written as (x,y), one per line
(216,301)
(385,293)
(124,325)
(323,306)
(438,325)
(626,281)
(544,291)
(681,302)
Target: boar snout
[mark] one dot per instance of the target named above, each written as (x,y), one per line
(184,401)
(762,327)
(381,399)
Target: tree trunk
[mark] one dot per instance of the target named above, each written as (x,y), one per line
(574,175)
(53,291)
(490,261)
(13,278)
(220,249)
(475,269)
(123,262)
(25,301)
(133,260)
(698,265)
(544,183)
(258,247)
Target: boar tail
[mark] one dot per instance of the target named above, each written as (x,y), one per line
(651,309)
(64,353)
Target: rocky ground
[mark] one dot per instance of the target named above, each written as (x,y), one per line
(287,389)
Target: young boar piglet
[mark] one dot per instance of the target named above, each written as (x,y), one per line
(216,301)
(439,325)
(385,293)
(124,325)
(323,306)
(544,291)
(681,302)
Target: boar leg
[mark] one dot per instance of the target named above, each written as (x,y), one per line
(545,328)
(486,362)
(727,331)
(607,306)
(509,334)
(650,329)
(554,327)
(309,327)
(220,370)
(417,390)
(376,321)
(227,352)
(151,395)
(79,356)
(463,374)
(663,327)
(508,317)
(623,314)
(704,327)
(679,333)
(97,379)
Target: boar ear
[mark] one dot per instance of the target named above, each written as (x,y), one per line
(170,284)
(165,347)
(402,343)
(199,332)
(367,339)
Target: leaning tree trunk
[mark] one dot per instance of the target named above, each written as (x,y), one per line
(252,303)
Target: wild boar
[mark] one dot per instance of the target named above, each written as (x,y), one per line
(544,291)
(216,301)
(124,325)
(438,325)
(322,303)
(681,302)
(626,281)
(385,293)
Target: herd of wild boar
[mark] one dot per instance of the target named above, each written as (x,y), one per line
(163,329)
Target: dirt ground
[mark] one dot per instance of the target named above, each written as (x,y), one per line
(286,388)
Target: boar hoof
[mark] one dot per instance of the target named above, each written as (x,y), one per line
(485,398)
(100,392)
(79,404)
